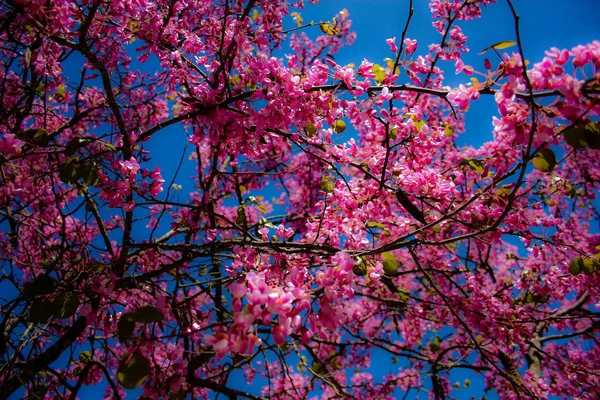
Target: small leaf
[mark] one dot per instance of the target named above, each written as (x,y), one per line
(125,328)
(40,311)
(75,144)
(390,265)
(85,357)
(326,185)
(476,165)
(339,126)
(435,345)
(373,224)
(590,266)
(545,160)
(419,124)
(329,28)
(583,135)
(109,146)
(575,136)
(241,216)
(409,207)
(41,285)
(65,305)
(88,173)
(505,190)
(499,46)
(38,137)
(28,53)
(379,72)
(576,266)
(132,373)
(68,172)
(146,315)
(296,16)
(61,92)
(570,192)
(448,130)
(360,268)
(310,130)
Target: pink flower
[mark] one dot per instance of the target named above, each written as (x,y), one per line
(345,75)
(411,45)
(392,43)
(463,95)
(237,290)
(461,67)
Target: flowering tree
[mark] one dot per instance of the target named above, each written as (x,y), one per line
(300,251)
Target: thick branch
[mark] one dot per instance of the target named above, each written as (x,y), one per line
(46,358)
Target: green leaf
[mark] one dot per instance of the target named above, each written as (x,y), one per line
(68,172)
(592,136)
(360,268)
(133,372)
(570,191)
(419,124)
(590,266)
(146,315)
(326,185)
(40,311)
(310,130)
(393,132)
(41,285)
(505,190)
(241,216)
(476,165)
(339,126)
(448,130)
(75,144)
(576,266)
(109,146)
(575,136)
(373,224)
(403,295)
(390,265)
(329,28)
(38,137)
(65,305)
(317,367)
(379,73)
(85,357)
(435,345)
(583,135)
(545,160)
(88,173)
(499,46)
(125,328)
